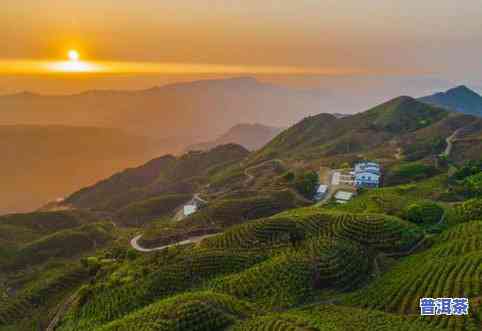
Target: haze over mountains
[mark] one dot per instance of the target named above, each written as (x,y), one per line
(44,160)
(185,112)
(43,163)
(250,136)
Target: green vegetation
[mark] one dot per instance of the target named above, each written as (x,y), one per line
(65,243)
(275,261)
(221,214)
(24,236)
(425,213)
(138,213)
(164,175)
(335,141)
(409,172)
(200,311)
(451,268)
(377,231)
(295,275)
(468,210)
(127,290)
(306,184)
(331,317)
(395,200)
(469,168)
(35,301)
(473,185)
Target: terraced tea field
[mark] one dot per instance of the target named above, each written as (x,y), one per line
(451,268)
(381,232)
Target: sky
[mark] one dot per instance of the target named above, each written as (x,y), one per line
(137,43)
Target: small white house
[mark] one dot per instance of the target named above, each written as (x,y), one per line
(343,196)
(189,209)
(321,191)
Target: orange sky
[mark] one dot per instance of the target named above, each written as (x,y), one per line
(351,37)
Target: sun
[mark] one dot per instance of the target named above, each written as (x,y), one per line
(73,55)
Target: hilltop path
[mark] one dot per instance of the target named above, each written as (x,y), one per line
(251,177)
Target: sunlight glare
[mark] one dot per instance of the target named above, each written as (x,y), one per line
(71,66)
(73,55)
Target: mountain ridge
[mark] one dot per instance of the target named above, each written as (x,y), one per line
(251,136)
(460,98)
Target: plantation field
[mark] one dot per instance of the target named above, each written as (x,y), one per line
(452,267)
(295,275)
(124,292)
(386,233)
(31,307)
(221,214)
(331,317)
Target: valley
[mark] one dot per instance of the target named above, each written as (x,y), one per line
(259,252)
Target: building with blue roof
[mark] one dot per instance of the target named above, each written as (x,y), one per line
(367,174)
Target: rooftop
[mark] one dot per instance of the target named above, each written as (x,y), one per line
(343,195)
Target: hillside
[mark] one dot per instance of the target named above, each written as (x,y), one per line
(399,124)
(250,136)
(460,98)
(32,238)
(306,268)
(42,163)
(166,174)
(258,254)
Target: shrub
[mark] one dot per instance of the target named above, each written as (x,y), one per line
(473,185)
(424,212)
(409,172)
(469,168)
(470,210)
(307,183)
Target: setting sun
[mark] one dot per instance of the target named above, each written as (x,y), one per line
(73,55)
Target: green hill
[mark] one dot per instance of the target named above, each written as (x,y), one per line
(451,268)
(274,259)
(167,174)
(221,214)
(377,133)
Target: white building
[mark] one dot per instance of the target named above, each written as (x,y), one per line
(367,174)
(321,191)
(193,206)
(343,196)
(189,209)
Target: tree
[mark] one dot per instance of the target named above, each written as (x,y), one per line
(307,183)
(424,212)
(471,210)
(473,185)
(471,167)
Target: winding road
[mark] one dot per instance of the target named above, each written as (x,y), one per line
(192,240)
(450,143)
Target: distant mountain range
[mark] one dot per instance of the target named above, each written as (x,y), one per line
(183,112)
(460,98)
(44,152)
(251,136)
